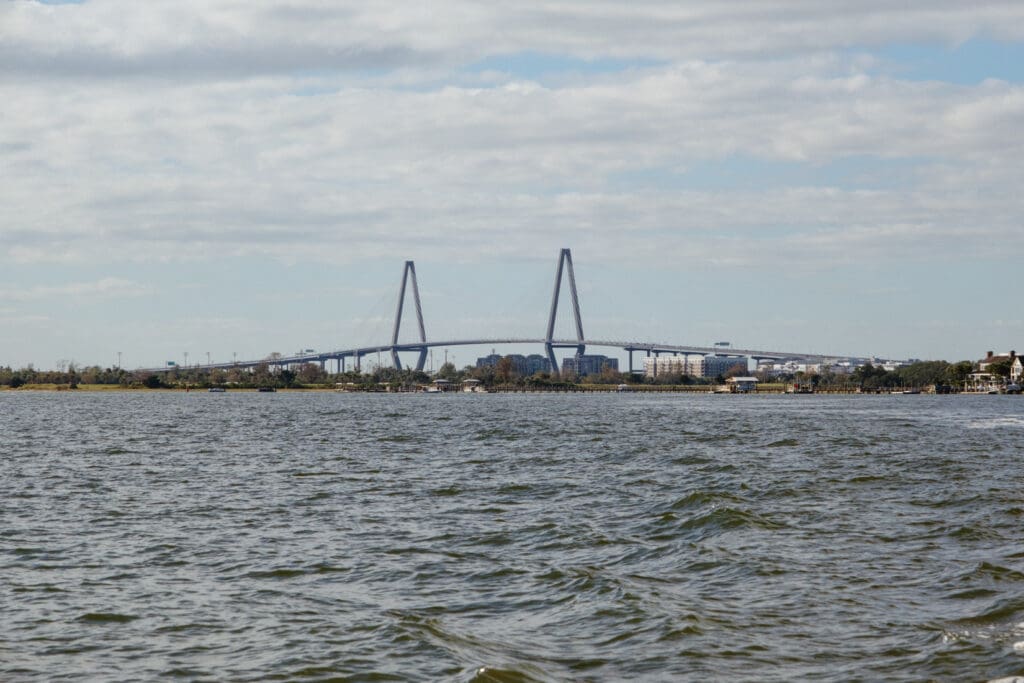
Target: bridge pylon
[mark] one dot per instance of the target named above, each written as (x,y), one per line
(564,259)
(410,268)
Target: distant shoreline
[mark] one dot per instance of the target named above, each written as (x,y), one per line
(773,389)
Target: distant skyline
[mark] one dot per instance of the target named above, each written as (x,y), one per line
(249,177)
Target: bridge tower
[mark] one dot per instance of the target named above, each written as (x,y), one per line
(410,268)
(564,259)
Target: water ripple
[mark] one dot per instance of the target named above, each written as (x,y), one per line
(509,537)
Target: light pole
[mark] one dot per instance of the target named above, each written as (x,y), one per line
(207,357)
(234,358)
(118,360)
(186,360)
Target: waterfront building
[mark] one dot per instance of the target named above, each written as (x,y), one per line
(660,366)
(488,361)
(532,364)
(524,366)
(991,358)
(742,385)
(584,365)
(694,366)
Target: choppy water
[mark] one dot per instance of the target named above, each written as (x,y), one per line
(510,537)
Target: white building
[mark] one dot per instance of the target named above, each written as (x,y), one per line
(694,366)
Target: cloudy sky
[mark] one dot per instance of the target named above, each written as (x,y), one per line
(248,176)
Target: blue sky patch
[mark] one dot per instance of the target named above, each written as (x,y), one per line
(744,172)
(967,64)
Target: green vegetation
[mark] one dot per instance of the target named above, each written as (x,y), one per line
(500,377)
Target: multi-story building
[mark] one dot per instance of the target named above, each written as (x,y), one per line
(694,366)
(530,365)
(588,365)
(524,366)
(488,361)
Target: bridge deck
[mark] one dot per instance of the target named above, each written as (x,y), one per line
(646,347)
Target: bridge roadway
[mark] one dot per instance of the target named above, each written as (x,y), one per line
(647,348)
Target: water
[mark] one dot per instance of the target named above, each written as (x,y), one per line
(510,537)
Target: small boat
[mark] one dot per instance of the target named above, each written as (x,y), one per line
(266,390)
(1013,388)
(216,390)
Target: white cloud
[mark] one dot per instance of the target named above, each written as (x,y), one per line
(186,39)
(111,171)
(105,288)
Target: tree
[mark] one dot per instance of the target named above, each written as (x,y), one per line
(959,372)
(503,369)
(1001,368)
(448,372)
(311,373)
(737,370)
(923,373)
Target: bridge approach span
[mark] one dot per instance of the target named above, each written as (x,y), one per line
(648,348)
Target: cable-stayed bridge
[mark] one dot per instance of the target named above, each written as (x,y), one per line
(344,357)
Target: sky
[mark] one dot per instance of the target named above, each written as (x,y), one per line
(242,177)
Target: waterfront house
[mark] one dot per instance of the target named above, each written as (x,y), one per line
(991,358)
(1016,370)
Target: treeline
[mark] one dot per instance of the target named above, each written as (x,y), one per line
(919,375)
(867,377)
(71,376)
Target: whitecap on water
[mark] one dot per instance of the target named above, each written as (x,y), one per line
(996,423)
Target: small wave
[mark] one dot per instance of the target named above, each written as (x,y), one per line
(446,491)
(866,478)
(699,498)
(781,443)
(727,518)
(515,488)
(996,423)
(994,572)
(396,438)
(276,574)
(107,618)
(490,674)
(973,533)
(998,612)
(485,434)
(972,594)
